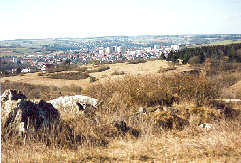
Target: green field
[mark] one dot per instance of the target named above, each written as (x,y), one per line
(226,42)
(15,51)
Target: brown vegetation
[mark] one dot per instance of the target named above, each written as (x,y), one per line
(99,69)
(224,74)
(137,61)
(118,72)
(68,75)
(167,130)
(148,90)
(41,92)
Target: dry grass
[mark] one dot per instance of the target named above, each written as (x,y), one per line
(142,68)
(69,75)
(222,144)
(41,92)
(118,73)
(148,90)
(226,76)
(176,104)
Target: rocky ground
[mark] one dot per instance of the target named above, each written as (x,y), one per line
(148,112)
(115,127)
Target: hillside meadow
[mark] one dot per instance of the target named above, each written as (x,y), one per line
(142,68)
(152,112)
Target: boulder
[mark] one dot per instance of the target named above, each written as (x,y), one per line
(142,110)
(36,121)
(75,103)
(12,95)
(206,126)
(23,116)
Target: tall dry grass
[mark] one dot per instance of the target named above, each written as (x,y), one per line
(149,90)
(163,136)
(41,92)
(193,144)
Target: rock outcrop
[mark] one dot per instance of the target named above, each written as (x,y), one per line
(24,116)
(74,103)
(206,126)
(41,119)
(12,95)
(38,121)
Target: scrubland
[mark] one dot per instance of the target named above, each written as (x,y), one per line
(162,110)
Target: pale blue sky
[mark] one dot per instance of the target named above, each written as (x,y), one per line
(82,18)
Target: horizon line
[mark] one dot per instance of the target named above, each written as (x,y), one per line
(142,35)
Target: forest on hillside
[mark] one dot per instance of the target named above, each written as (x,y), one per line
(229,53)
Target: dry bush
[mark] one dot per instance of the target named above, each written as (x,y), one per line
(137,61)
(161,70)
(155,136)
(70,90)
(32,91)
(224,74)
(238,93)
(41,92)
(99,69)
(40,74)
(63,67)
(93,79)
(82,69)
(193,144)
(118,73)
(194,60)
(150,90)
(69,75)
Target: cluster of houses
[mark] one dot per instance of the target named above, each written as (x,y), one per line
(29,63)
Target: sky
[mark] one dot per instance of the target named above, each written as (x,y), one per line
(29,19)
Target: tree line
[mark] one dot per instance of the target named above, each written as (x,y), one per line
(198,55)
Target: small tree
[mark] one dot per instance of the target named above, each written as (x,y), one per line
(194,60)
(67,61)
(18,71)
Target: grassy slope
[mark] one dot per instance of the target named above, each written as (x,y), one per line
(15,51)
(142,68)
(193,144)
(190,145)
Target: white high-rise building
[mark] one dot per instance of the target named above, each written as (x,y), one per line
(108,50)
(120,49)
(175,47)
(114,49)
(102,51)
(157,47)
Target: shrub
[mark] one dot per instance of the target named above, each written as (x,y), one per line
(41,92)
(118,73)
(153,89)
(99,69)
(70,90)
(137,61)
(82,69)
(69,75)
(92,79)
(166,69)
(64,67)
(194,60)
(40,74)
